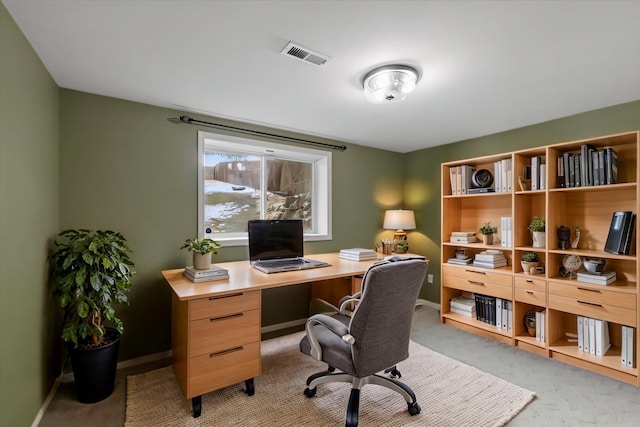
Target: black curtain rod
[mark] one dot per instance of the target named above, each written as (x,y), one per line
(190,121)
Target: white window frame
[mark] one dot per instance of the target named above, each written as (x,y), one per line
(321,191)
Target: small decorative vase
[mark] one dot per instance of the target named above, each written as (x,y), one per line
(201,261)
(529,267)
(487,239)
(539,238)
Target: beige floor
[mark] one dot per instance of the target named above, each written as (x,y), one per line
(566,396)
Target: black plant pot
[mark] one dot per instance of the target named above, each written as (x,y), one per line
(94,369)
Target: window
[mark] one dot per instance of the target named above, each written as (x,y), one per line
(240,179)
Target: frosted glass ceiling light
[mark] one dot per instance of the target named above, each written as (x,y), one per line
(390,83)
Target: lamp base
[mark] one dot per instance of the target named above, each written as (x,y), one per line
(400,235)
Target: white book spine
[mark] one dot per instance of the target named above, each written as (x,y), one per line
(538,325)
(509,315)
(535,173)
(504,315)
(543,176)
(585,334)
(499,313)
(543,315)
(592,336)
(580,335)
(623,352)
(630,346)
(599,337)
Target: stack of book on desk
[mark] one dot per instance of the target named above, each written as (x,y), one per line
(605,278)
(463,306)
(491,258)
(358,254)
(213,273)
(463,237)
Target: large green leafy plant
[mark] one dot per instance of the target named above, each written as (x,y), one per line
(90,271)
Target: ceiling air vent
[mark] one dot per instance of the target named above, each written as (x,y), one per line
(303,54)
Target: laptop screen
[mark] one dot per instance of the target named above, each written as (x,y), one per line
(274,239)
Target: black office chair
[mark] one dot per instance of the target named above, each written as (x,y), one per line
(374,338)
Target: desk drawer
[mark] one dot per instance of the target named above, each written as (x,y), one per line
(478,274)
(607,312)
(530,297)
(215,334)
(593,294)
(224,305)
(221,369)
(478,286)
(532,284)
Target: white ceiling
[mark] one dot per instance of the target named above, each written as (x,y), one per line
(486,66)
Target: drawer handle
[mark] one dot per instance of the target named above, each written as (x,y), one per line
(239,294)
(587,289)
(231,316)
(477,272)
(529,281)
(529,292)
(222,353)
(589,303)
(473,282)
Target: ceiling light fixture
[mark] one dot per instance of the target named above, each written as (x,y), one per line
(390,83)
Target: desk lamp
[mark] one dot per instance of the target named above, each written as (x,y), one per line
(399,220)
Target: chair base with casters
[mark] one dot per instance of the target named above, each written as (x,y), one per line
(353,407)
(359,345)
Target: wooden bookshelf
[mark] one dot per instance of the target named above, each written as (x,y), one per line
(590,207)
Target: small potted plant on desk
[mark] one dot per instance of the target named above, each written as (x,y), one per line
(530,262)
(487,232)
(202,250)
(89,271)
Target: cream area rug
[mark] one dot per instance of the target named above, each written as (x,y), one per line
(449,392)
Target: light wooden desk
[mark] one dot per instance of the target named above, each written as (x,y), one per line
(215,333)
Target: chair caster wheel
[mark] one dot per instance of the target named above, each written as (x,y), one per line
(414,409)
(310,392)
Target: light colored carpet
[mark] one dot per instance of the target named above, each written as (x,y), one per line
(449,392)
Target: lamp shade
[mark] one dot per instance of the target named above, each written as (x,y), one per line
(399,219)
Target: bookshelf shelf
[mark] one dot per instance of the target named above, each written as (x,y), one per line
(576,201)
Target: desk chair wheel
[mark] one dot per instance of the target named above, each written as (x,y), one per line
(414,408)
(310,392)
(249,387)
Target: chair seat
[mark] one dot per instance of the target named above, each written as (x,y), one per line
(336,353)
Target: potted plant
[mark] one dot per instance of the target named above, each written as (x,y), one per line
(487,232)
(529,262)
(89,272)
(537,228)
(202,250)
(402,246)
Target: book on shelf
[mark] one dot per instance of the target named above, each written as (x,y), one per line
(580,335)
(623,350)
(604,278)
(506,231)
(463,303)
(205,278)
(611,160)
(213,271)
(602,337)
(458,239)
(631,346)
(459,261)
(464,313)
(467,172)
(560,169)
(620,233)
(592,336)
(463,234)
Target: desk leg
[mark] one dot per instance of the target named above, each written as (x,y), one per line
(197,406)
(250,388)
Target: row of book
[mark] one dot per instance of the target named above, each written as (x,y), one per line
(357,254)
(593,336)
(503,176)
(506,231)
(491,310)
(490,258)
(211,274)
(538,174)
(627,354)
(620,233)
(460,177)
(541,320)
(588,168)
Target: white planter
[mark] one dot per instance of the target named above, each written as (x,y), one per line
(201,261)
(539,238)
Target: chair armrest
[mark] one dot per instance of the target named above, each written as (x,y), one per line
(333,325)
(344,303)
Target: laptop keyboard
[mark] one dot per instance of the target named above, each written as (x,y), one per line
(281,263)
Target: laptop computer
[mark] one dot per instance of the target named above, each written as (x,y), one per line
(277,245)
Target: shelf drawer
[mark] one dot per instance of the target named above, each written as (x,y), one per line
(221,369)
(539,285)
(224,305)
(602,311)
(476,284)
(530,297)
(478,274)
(214,334)
(593,295)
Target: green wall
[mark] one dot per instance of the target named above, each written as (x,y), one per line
(124,166)
(28,219)
(422,179)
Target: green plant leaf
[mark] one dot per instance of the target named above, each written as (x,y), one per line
(83,309)
(81,276)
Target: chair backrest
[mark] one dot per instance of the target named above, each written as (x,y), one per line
(381,323)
